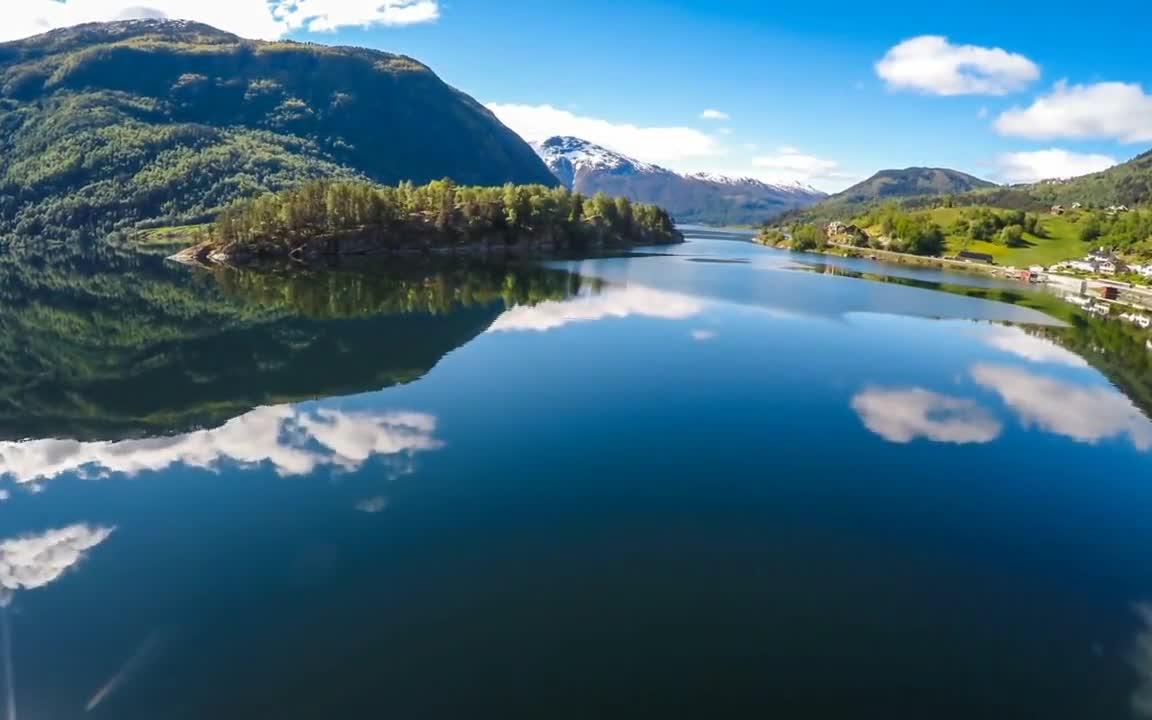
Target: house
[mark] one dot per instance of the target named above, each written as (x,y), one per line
(1082,266)
(1113,266)
(1077,206)
(1057,209)
(1116,209)
(975,257)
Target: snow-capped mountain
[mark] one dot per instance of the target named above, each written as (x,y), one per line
(702,197)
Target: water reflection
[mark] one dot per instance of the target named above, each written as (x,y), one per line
(1084,414)
(632,300)
(1030,347)
(1142,663)
(34,561)
(901,415)
(109,346)
(293,440)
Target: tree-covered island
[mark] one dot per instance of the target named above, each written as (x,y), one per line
(331,218)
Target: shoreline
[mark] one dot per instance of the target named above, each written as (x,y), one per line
(1129,296)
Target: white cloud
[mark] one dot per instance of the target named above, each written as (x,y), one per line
(714,115)
(704,335)
(33,561)
(263,19)
(1084,414)
(1029,167)
(535,123)
(789,164)
(293,440)
(931,64)
(1036,349)
(901,415)
(1109,110)
(622,303)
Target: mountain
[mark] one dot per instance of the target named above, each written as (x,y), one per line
(911,182)
(908,186)
(1129,184)
(108,125)
(711,199)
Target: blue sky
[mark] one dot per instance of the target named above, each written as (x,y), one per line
(1018,91)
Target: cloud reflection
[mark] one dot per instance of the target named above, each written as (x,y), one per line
(901,415)
(33,561)
(1084,414)
(613,303)
(1142,664)
(293,440)
(1029,347)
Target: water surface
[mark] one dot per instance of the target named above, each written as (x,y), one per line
(646,486)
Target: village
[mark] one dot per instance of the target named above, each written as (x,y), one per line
(1093,283)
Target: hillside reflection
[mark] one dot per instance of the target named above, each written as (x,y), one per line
(109,346)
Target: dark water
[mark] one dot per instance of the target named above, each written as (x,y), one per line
(722,482)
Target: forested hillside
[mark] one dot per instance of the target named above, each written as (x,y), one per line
(107,126)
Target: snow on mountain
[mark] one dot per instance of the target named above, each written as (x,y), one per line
(700,197)
(786,187)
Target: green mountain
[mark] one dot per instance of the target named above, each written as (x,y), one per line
(910,182)
(1129,184)
(112,125)
(899,186)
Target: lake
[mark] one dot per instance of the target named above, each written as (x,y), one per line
(710,480)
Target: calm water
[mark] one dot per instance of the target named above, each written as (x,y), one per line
(725,481)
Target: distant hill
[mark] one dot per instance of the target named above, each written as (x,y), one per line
(1129,184)
(907,186)
(108,125)
(911,182)
(710,199)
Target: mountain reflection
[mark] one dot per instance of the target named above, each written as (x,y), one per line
(112,346)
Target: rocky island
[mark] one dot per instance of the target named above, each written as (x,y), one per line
(334,218)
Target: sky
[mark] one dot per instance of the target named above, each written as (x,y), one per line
(823,93)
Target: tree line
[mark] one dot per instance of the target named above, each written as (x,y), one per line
(456,214)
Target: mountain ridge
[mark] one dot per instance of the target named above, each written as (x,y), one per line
(108,126)
(589,168)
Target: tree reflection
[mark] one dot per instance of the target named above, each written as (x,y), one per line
(110,345)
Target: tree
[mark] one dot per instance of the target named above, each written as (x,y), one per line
(808,237)
(1013,236)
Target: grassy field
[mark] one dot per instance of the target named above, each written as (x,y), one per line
(1062,241)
